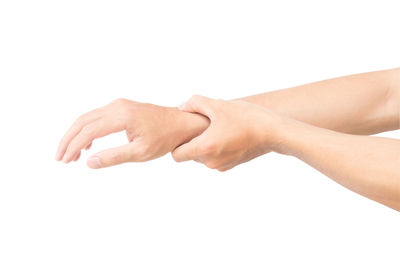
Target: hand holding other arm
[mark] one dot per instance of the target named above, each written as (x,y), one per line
(240,131)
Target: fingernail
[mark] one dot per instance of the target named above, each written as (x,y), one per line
(181,106)
(94,162)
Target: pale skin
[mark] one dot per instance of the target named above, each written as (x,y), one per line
(324,124)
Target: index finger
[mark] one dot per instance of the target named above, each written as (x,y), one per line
(96,129)
(75,129)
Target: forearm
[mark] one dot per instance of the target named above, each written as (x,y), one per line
(365,164)
(359,104)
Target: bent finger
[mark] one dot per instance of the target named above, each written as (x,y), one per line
(75,129)
(187,151)
(77,156)
(199,104)
(88,146)
(88,133)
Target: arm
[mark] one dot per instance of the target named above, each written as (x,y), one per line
(358,104)
(240,131)
(367,165)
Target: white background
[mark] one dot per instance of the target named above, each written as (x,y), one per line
(59,59)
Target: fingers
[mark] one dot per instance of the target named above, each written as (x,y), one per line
(75,129)
(113,156)
(199,104)
(187,151)
(194,149)
(88,146)
(77,156)
(89,132)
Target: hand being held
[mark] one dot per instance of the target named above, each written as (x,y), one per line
(239,131)
(152,131)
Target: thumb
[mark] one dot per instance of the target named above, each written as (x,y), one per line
(112,156)
(187,151)
(199,104)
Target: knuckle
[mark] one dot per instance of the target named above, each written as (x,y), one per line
(120,101)
(207,149)
(195,98)
(87,130)
(212,164)
(175,156)
(82,118)
(115,157)
(123,107)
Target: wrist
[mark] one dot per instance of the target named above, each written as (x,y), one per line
(187,125)
(282,131)
(295,138)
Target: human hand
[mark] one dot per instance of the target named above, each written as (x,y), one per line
(152,131)
(239,131)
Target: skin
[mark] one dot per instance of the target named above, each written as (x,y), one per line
(341,111)
(152,131)
(365,103)
(365,164)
